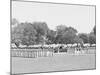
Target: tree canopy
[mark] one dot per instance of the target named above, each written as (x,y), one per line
(27,33)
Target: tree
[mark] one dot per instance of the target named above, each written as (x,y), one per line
(94,30)
(41,29)
(65,34)
(29,34)
(84,37)
(16,35)
(24,33)
(78,40)
(68,37)
(61,29)
(92,38)
(14,22)
(73,30)
(51,36)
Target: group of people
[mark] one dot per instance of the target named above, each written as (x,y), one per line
(57,48)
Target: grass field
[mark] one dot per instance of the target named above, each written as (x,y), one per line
(59,62)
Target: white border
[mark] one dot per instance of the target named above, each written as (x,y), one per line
(5,36)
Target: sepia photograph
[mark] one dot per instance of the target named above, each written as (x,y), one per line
(52,37)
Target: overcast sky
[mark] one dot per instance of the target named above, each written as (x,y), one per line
(81,18)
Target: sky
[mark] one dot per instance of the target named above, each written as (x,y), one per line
(81,18)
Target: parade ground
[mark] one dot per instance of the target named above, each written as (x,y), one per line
(57,62)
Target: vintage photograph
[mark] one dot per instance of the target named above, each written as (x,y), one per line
(52,37)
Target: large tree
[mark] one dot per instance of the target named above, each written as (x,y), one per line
(94,30)
(84,37)
(41,29)
(68,37)
(24,33)
(65,34)
(92,38)
(29,34)
(78,40)
(51,35)
(16,35)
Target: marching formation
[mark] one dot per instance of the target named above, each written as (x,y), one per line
(34,51)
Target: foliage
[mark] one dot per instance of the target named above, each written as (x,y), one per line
(65,34)
(39,33)
(92,38)
(51,36)
(84,37)
(94,30)
(41,29)
(14,21)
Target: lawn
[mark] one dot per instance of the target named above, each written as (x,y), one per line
(59,62)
